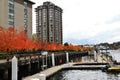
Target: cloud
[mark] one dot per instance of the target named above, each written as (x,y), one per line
(95,34)
(77,41)
(116,18)
(107,36)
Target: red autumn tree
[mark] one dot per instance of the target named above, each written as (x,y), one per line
(59,47)
(11,41)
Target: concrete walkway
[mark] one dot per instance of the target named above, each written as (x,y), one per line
(48,72)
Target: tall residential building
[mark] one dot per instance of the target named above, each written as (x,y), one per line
(49,23)
(17,14)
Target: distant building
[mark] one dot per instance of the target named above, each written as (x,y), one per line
(49,23)
(17,14)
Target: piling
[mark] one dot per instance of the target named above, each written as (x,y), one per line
(67,57)
(53,60)
(14,68)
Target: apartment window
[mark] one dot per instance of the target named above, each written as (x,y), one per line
(11,5)
(11,0)
(25,4)
(11,11)
(25,11)
(11,23)
(11,16)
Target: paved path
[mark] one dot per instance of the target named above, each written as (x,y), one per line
(47,72)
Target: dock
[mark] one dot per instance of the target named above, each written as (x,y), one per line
(49,72)
(85,67)
(100,63)
(114,68)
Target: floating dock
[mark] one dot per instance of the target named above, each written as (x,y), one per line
(115,68)
(98,64)
(92,66)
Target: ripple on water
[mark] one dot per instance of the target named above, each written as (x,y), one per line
(84,75)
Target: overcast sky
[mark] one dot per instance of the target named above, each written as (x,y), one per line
(88,21)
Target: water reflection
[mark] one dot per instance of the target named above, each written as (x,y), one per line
(87,59)
(84,75)
(84,59)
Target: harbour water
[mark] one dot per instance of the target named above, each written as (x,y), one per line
(88,74)
(84,75)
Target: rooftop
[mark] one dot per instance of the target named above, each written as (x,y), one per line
(30,1)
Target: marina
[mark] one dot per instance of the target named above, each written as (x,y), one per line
(85,65)
(70,61)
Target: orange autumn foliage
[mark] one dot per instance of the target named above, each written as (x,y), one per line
(10,40)
(73,47)
(87,48)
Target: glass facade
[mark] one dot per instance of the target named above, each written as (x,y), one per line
(25,16)
(11,13)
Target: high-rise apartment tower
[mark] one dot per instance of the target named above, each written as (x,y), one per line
(49,23)
(17,14)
